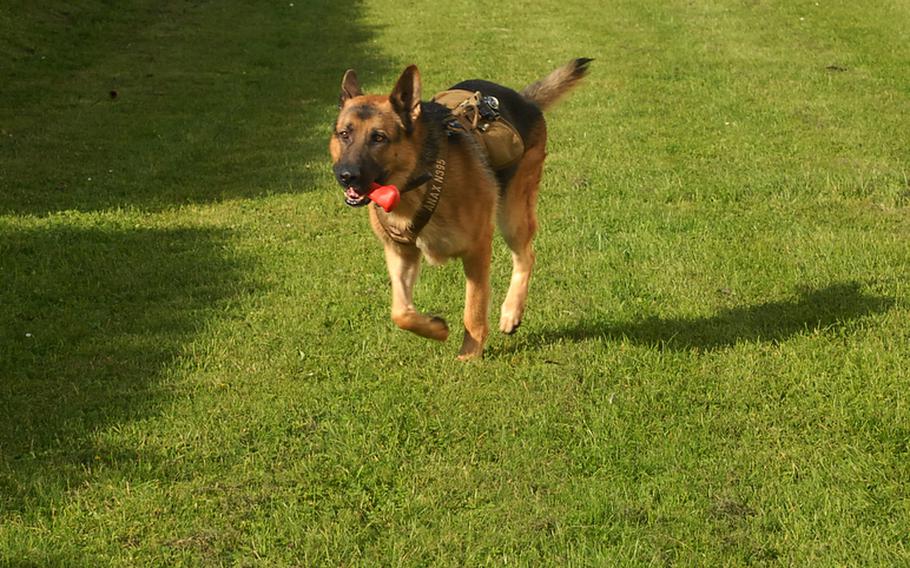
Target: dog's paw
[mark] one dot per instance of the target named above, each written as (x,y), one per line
(470,350)
(509,323)
(472,345)
(438,329)
(470,356)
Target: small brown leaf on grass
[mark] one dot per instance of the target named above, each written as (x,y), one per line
(731,509)
(836,68)
(581,182)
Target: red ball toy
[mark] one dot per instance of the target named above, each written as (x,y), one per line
(386,196)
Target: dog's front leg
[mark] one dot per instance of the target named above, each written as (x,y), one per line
(477,302)
(404,266)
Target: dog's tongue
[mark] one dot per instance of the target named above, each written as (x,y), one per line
(386,196)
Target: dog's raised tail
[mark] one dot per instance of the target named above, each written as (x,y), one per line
(547,91)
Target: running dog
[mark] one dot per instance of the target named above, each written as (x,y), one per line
(450,195)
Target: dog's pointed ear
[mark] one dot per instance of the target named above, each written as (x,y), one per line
(405,97)
(350,87)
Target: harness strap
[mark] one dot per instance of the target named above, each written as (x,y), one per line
(408,235)
(415,182)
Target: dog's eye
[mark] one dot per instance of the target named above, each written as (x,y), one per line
(378,138)
(344,135)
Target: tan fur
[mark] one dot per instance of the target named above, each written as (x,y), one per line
(463,223)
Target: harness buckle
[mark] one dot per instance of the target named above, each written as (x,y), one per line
(489,108)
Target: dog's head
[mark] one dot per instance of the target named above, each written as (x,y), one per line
(376,137)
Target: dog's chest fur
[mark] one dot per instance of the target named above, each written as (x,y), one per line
(439,243)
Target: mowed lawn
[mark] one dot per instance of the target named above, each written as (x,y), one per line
(197,367)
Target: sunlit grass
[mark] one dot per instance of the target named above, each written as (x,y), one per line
(197,366)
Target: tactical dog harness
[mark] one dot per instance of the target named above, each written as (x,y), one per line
(471,113)
(408,235)
(480,116)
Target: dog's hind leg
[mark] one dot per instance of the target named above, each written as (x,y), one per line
(404,266)
(518,223)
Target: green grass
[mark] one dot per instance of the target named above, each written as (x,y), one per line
(197,367)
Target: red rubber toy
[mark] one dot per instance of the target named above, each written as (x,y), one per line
(386,196)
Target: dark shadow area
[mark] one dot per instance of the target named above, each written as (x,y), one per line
(826,308)
(90,320)
(156,104)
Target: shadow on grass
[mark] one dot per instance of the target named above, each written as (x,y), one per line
(826,308)
(159,104)
(90,320)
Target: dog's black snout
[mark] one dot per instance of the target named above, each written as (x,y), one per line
(347,175)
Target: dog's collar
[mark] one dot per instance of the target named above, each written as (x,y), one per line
(415,182)
(408,235)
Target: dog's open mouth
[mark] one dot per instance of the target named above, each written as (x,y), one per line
(353,198)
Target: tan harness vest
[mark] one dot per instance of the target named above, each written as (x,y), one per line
(479,115)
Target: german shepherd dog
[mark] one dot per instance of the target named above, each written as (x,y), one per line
(398,140)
